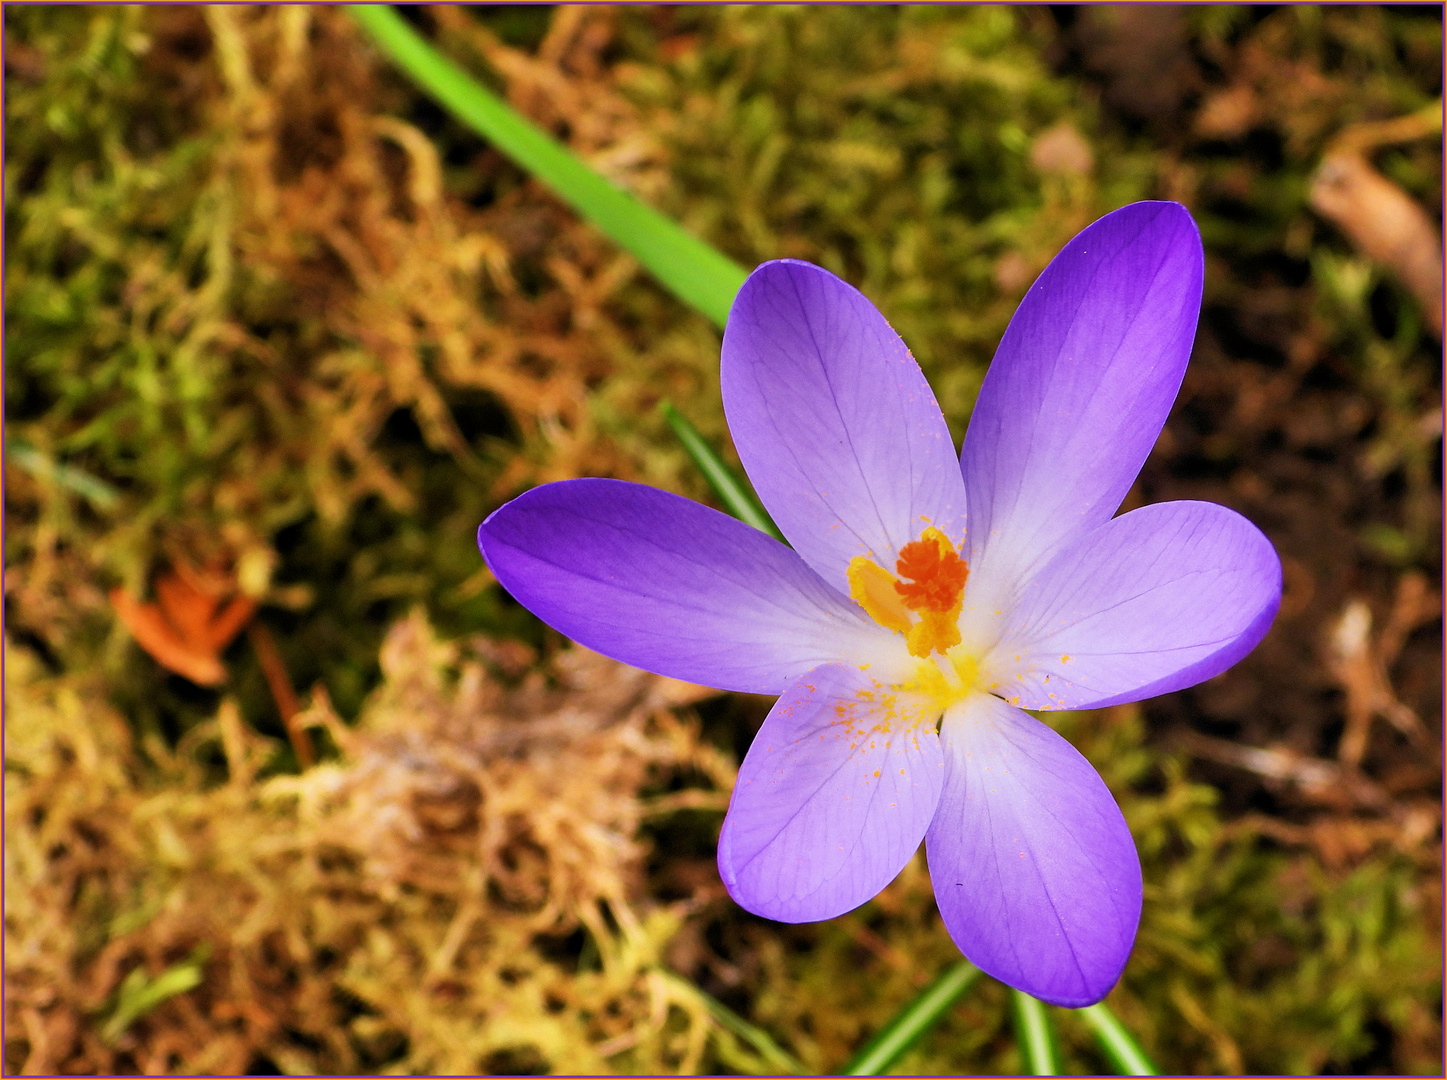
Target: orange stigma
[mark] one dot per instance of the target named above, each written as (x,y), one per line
(937,573)
(934,591)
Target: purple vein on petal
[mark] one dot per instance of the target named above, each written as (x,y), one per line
(671,586)
(834,421)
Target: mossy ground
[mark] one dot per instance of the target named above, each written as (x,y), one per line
(270,312)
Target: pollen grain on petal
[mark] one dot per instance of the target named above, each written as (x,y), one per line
(880,717)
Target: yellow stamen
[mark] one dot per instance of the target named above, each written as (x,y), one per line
(934,591)
(872,587)
(936,631)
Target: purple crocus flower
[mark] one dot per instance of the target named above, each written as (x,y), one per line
(926,603)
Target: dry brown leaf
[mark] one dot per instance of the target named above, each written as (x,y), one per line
(1229,113)
(1343,841)
(1063,150)
(1381,220)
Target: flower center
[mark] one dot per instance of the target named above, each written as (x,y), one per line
(925,607)
(945,680)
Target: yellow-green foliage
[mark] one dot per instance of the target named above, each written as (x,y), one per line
(894,151)
(267,309)
(249,303)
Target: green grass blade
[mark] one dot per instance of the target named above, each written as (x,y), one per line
(770,1053)
(45,468)
(1038,1052)
(693,271)
(138,994)
(737,498)
(1124,1052)
(912,1022)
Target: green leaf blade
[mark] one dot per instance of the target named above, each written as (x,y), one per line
(696,273)
(1033,1034)
(138,994)
(912,1022)
(730,489)
(1120,1047)
(46,469)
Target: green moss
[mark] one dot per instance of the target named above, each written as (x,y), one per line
(233,301)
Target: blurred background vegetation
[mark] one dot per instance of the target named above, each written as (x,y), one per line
(293,786)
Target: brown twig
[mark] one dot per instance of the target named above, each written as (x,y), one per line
(1361,667)
(281,689)
(1321,780)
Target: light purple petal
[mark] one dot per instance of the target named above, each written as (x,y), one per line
(1081,384)
(833,797)
(670,586)
(1152,601)
(834,421)
(1034,870)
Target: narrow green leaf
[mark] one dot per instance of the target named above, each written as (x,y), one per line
(138,995)
(737,498)
(1119,1046)
(43,467)
(913,1021)
(1038,1052)
(693,271)
(771,1053)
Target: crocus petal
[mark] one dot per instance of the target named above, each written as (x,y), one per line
(1152,601)
(1080,385)
(670,586)
(1033,867)
(834,421)
(833,797)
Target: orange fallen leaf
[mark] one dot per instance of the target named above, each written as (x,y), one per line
(187,627)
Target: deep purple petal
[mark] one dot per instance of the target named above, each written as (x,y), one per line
(1034,870)
(668,585)
(1081,384)
(1152,601)
(833,797)
(834,421)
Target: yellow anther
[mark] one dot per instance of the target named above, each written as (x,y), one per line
(872,587)
(934,591)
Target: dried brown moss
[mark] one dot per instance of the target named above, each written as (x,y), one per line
(419,902)
(307,327)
